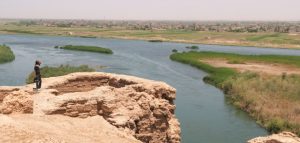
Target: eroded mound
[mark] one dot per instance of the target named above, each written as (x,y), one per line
(138,107)
(84,84)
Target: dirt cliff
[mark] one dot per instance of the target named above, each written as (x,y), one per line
(90,107)
(284,137)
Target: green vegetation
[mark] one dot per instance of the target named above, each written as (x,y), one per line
(262,37)
(174,50)
(6,54)
(276,38)
(58,71)
(274,101)
(87,49)
(235,62)
(217,75)
(155,41)
(279,59)
(20,31)
(192,47)
(88,36)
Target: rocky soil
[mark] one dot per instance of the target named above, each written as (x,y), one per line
(284,137)
(90,107)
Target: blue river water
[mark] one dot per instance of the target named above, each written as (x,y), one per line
(204,114)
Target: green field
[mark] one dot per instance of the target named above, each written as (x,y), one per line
(94,49)
(218,75)
(6,54)
(59,71)
(274,101)
(275,40)
(280,59)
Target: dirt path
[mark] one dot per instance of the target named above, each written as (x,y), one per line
(59,129)
(274,69)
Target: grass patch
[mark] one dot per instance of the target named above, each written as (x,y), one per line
(217,75)
(6,54)
(237,58)
(20,31)
(87,49)
(58,71)
(262,37)
(273,100)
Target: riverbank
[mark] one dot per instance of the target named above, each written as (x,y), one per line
(273,100)
(272,40)
(6,54)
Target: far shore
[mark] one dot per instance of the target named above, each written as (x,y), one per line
(224,40)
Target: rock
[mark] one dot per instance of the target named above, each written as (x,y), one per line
(6,110)
(141,108)
(284,137)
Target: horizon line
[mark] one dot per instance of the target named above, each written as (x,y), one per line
(175,20)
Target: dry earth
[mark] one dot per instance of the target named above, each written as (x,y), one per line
(26,128)
(90,107)
(273,69)
(284,137)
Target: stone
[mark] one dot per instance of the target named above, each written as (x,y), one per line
(6,110)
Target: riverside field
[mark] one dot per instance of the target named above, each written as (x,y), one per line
(273,100)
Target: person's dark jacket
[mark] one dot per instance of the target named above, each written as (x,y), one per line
(37,70)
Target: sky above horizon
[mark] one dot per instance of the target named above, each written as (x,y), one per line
(152,9)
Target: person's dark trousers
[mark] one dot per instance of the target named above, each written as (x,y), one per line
(38,81)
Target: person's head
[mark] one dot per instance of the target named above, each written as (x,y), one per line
(37,62)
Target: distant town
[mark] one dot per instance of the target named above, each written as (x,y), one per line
(211,26)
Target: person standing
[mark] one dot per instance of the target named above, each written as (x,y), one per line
(38,77)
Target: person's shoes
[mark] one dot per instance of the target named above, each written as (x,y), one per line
(36,89)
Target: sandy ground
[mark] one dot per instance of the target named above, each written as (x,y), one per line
(58,129)
(274,69)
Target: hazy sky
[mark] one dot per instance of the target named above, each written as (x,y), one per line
(152,9)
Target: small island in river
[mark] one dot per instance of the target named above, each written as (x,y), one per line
(86,49)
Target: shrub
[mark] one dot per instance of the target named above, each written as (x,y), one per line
(6,54)
(192,47)
(276,125)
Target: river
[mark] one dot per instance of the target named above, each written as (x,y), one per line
(204,114)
